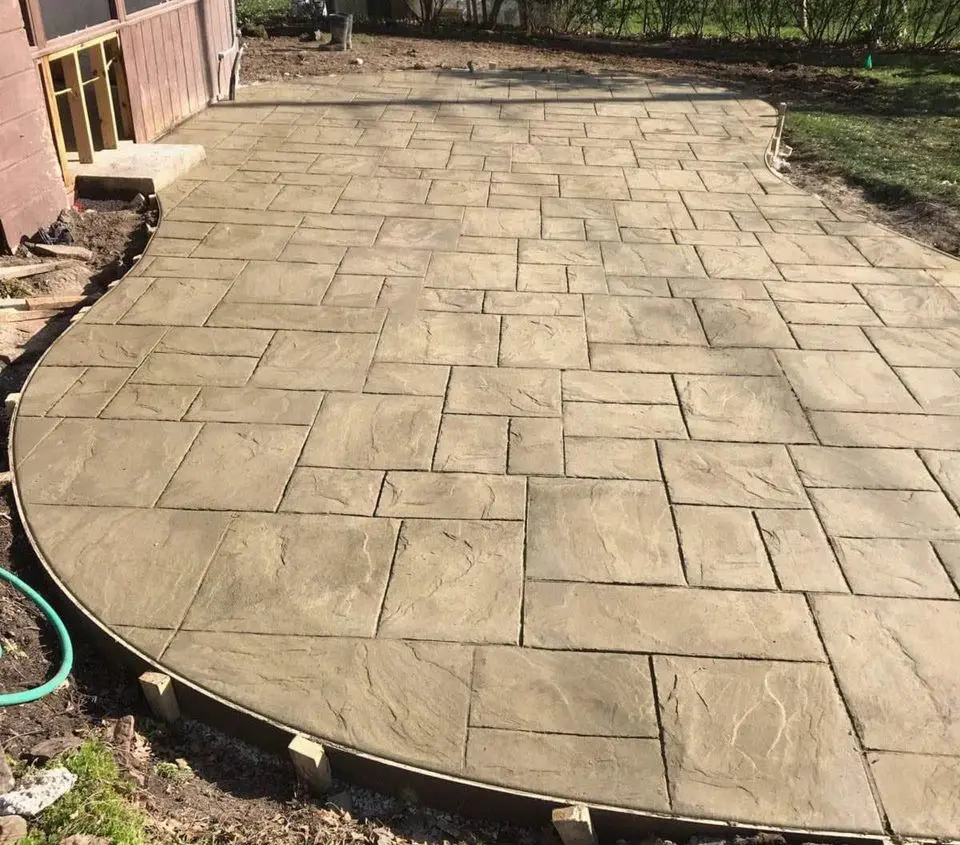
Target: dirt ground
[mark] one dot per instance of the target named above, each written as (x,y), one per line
(773,75)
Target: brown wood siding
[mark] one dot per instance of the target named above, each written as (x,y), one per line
(171,62)
(31,184)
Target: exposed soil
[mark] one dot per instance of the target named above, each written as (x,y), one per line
(773,75)
(114,233)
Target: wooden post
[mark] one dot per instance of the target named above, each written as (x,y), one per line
(54,112)
(158,689)
(78,107)
(123,89)
(310,761)
(101,89)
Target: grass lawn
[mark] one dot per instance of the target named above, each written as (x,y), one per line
(897,137)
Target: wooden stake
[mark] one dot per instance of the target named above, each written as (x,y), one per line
(574,825)
(158,689)
(310,760)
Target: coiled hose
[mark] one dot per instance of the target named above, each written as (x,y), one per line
(66,664)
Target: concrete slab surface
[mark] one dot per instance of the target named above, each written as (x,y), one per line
(484,423)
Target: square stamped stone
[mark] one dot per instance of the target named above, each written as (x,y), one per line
(291,573)
(475,571)
(471,443)
(722,548)
(763,742)
(590,694)
(558,342)
(374,431)
(236,467)
(601,531)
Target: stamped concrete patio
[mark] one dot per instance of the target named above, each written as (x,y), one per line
(524,428)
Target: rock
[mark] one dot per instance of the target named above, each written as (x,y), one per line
(44,751)
(6,776)
(419,66)
(61,251)
(37,792)
(138,203)
(472,66)
(356,61)
(341,801)
(12,830)
(258,31)
(84,839)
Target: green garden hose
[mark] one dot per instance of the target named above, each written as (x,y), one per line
(10,698)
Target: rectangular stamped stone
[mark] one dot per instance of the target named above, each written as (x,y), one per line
(104,346)
(920,515)
(803,766)
(255,405)
(284,573)
(651,320)
(452,495)
(410,379)
(608,457)
(205,341)
(742,408)
(722,548)
(610,419)
(235,467)
(502,391)
(909,431)
(895,662)
(384,261)
(576,693)
(626,771)
(177,302)
(715,623)
(315,318)
(104,462)
(175,368)
(47,385)
(374,431)
(652,260)
(150,402)
(682,359)
(356,698)
(475,570)
(472,271)
(845,381)
(440,338)
(587,386)
(744,323)
(547,304)
(345,491)
(883,567)
(89,395)
(315,361)
(601,531)
(157,558)
(741,475)
(869,469)
(278,282)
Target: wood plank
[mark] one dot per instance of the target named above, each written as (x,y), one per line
(101,90)
(24,271)
(161,86)
(54,114)
(151,81)
(185,22)
(78,107)
(123,91)
(132,44)
(175,40)
(199,63)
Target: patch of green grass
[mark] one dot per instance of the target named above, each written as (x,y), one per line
(99,803)
(898,139)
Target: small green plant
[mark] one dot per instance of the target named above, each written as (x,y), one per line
(99,803)
(259,12)
(180,770)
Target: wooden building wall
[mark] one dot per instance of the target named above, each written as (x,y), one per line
(170,56)
(31,184)
(171,62)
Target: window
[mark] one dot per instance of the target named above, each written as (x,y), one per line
(141,5)
(61,17)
